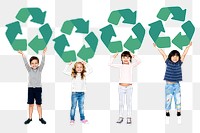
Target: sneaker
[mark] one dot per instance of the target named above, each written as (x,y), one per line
(42,121)
(129,120)
(84,121)
(179,119)
(72,122)
(28,121)
(120,120)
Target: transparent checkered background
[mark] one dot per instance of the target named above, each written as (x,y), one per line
(101,102)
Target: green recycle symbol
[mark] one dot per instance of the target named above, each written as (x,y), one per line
(13,29)
(108,32)
(179,40)
(61,41)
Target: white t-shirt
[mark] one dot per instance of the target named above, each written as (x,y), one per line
(78,84)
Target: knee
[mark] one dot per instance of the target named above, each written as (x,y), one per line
(39,105)
(73,106)
(31,105)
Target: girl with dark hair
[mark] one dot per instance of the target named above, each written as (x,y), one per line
(173,75)
(125,83)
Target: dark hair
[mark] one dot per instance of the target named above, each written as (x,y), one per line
(33,58)
(173,53)
(126,54)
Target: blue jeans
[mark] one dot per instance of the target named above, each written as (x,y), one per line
(172,90)
(77,97)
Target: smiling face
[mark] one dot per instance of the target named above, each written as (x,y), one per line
(79,67)
(125,60)
(175,58)
(34,64)
(126,57)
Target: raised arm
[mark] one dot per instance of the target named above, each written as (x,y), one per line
(112,60)
(43,59)
(161,52)
(136,61)
(88,68)
(25,61)
(185,52)
(68,69)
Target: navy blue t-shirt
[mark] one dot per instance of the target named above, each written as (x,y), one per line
(173,71)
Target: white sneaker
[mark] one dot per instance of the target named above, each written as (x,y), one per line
(167,120)
(179,119)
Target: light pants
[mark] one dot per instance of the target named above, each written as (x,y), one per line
(172,90)
(125,93)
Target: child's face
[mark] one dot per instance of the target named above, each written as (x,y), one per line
(126,59)
(175,58)
(79,68)
(34,64)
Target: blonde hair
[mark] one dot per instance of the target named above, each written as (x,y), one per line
(74,72)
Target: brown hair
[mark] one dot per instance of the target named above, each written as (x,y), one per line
(33,58)
(74,72)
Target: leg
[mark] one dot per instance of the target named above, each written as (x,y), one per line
(73,106)
(81,105)
(39,109)
(129,100)
(177,98)
(121,100)
(38,98)
(168,100)
(31,106)
(168,97)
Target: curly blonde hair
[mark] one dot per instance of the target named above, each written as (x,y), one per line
(74,72)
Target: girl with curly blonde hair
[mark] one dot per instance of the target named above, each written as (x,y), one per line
(78,87)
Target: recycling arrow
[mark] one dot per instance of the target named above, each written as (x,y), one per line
(81,26)
(13,29)
(107,33)
(179,40)
(127,14)
(183,40)
(37,15)
(135,43)
(155,29)
(88,53)
(60,43)
(177,12)
(40,43)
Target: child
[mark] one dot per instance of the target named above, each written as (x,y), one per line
(34,85)
(173,75)
(78,88)
(125,83)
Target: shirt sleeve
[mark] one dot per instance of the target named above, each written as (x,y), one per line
(167,61)
(112,64)
(136,61)
(42,63)
(180,62)
(68,70)
(26,64)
